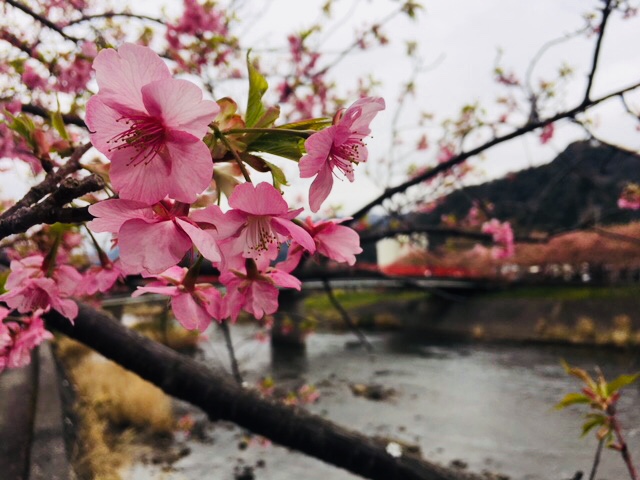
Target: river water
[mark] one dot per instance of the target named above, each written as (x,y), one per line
(489,406)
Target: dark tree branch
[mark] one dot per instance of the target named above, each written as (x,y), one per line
(43,20)
(42,112)
(49,210)
(458,159)
(222,399)
(606,11)
(50,183)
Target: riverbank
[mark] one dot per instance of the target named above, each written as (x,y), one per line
(603,316)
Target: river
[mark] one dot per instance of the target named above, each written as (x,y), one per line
(488,406)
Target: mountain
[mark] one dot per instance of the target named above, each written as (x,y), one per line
(578,188)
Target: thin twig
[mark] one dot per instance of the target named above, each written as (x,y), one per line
(596,460)
(88,18)
(606,11)
(237,158)
(345,316)
(235,370)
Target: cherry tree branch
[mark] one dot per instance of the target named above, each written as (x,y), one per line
(50,183)
(42,112)
(221,398)
(49,211)
(43,20)
(461,157)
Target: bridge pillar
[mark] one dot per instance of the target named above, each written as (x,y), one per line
(288,340)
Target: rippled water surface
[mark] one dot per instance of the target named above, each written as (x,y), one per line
(489,406)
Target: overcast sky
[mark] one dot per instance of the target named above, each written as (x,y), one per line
(459,39)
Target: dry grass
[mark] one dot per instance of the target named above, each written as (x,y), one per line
(173,336)
(116,408)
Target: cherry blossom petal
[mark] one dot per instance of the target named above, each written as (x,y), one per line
(190,313)
(192,167)
(320,188)
(202,239)
(122,74)
(179,103)
(112,213)
(144,182)
(262,199)
(318,147)
(297,233)
(152,247)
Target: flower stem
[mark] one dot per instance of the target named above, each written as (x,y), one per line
(239,161)
(596,460)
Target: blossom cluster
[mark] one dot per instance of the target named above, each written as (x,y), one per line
(162,138)
(150,126)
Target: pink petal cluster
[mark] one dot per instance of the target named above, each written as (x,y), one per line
(193,305)
(255,292)
(150,126)
(101,278)
(259,221)
(338,147)
(630,197)
(19,338)
(30,288)
(152,238)
(334,241)
(502,237)
(75,76)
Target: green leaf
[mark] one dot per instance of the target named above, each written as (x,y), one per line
(279,178)
(591,424)
(257,87)
(310,124)
(621,381)
(581,374)
(23,126)
(285,146)
(571,399)
(58,123)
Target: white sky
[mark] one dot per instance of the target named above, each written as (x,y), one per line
(462,37)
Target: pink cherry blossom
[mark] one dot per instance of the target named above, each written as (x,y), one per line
(338,147)
(255,292)
(17,340)
(502,237)
(258,222)
(334,241)
(150,126)
(30,289)
(194,305)
(101,278)
(152,238)
(630,197)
